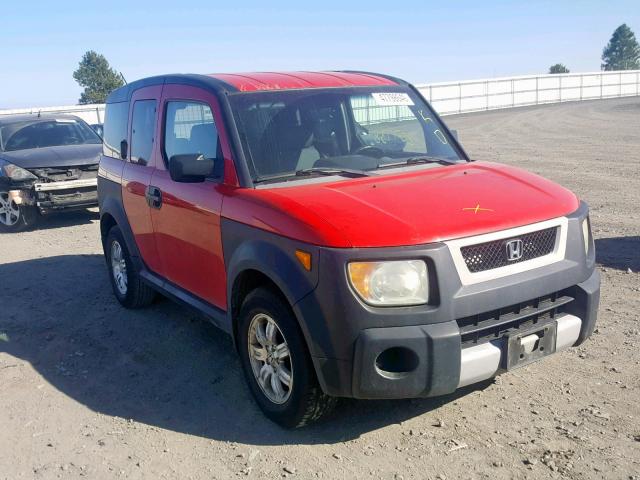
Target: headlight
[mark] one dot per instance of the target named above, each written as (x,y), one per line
(586,234)
(403,282)
(14,172)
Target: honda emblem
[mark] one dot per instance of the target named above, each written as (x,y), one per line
(514,250)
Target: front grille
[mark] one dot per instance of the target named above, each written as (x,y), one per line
(490,255)
(494,324)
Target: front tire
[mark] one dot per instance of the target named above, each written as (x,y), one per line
(277,364)
(128,287)
(15,218)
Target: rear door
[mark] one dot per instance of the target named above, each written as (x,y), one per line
(136,177)
(187,225)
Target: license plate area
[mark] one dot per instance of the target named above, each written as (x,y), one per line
(531,345)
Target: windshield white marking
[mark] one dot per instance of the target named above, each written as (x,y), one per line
(392,99)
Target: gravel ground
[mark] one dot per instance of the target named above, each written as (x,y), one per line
(91,390)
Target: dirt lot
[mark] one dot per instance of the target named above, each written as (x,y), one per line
(90,390)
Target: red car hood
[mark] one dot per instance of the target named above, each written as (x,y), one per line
(417,207)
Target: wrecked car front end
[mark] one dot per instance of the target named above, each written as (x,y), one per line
(63,188)
(50,188)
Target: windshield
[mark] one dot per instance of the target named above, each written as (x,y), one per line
(363,129)
(40,133)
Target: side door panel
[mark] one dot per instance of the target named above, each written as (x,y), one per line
(187,226)
(188,237)
(136,178)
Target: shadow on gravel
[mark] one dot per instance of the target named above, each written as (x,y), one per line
(619,252)
(163,366)
(65,219)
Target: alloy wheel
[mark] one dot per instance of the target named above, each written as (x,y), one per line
(119,267)
(9,211)
(270,358)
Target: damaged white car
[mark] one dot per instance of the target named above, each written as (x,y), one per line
(47,163)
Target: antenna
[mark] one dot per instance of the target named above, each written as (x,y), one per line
(123,79)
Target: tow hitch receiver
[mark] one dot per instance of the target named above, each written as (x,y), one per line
(531,345)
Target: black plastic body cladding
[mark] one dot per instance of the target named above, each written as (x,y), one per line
(251,249)
(111,205)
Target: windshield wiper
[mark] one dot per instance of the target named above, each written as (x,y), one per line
(345,172)
(418,159)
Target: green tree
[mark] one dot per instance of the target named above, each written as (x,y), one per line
(558,68)
(622,52)
(97,77)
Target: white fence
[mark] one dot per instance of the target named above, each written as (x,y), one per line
(476,95)
(468,96)
(89,113)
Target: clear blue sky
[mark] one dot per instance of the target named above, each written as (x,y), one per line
(421,41)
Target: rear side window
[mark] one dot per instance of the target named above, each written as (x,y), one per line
(116,117)
(143,124)
(190,129)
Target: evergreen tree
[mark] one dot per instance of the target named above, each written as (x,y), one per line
(622,52)
(97,77)
(558,68)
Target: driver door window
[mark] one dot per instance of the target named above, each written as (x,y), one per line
(190,129)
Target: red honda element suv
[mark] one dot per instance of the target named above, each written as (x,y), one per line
(336,229)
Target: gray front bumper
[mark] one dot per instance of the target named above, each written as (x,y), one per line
(443,364)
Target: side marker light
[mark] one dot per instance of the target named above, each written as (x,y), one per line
(304,258)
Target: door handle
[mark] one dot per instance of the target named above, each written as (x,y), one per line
(154,197)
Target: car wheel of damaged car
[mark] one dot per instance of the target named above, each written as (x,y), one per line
(277,364)
(128,287)
(13,217)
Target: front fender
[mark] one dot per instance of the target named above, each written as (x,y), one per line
(249,248)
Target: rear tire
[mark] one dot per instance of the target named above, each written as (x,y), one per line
(130,290)
(277,364)
(16,218)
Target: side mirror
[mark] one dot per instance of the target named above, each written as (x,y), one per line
(124,149)
(454,134)
(191,168)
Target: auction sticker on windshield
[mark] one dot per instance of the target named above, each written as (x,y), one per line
(389,99)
